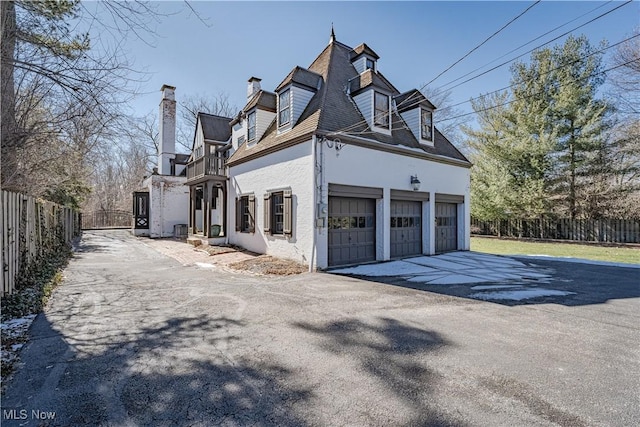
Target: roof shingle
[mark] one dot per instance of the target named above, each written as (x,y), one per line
(331,111)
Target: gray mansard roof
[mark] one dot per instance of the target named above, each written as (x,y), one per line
(331,110)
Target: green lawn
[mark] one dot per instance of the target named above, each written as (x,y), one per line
(513,247)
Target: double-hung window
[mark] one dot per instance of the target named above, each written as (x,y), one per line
(368,65)
(245,214)
(278,213)
(426,120)
(381,110)
(251,127)
(284,108)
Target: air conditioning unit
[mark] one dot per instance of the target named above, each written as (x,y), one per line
(180,231)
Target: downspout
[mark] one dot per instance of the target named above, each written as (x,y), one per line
(315,204)
(161,209)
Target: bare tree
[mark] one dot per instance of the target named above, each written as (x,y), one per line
(191,105)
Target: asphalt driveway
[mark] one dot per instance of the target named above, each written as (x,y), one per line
(134,337)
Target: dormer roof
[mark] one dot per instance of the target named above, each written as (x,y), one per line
(370,78)
(411,99)
(215,128)
(303,77)
(262,100)
(361,50)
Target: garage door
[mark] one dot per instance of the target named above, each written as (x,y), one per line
(406,228)
(352,230)
(446,227)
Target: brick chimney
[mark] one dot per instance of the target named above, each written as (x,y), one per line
(253,87)
(167,135)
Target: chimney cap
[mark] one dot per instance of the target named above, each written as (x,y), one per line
(167,87)
(254,79)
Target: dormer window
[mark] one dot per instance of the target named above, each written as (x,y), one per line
(369,64)
(426,128)
(251,126)
(284,108)
(381,110)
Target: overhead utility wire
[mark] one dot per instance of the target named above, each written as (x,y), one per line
(483,42)
(507,102)
(355,125)
(540,92)
(539,46)
(474,49)
(547,72)
(525,44)
(513,100)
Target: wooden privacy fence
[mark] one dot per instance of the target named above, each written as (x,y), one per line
(30,228)
(106,219)
(581,230)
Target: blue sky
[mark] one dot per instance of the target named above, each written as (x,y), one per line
(415,41)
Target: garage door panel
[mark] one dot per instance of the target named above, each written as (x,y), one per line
(446,227)
(406,228)
(351,231)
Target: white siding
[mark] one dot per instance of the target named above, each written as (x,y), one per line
(199,141)
(364,101)
(290,168)
(301,98)
(361,166)
(238,130)
(168,204)
(263,120)
(361,63)
(412,118)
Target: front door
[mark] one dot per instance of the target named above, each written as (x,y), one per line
(141,210)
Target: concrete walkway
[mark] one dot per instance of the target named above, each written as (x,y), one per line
(134,337)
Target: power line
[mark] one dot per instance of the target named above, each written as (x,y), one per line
(541,92)
(550,71)
(525,44)
(402,104)
(474,49)
(504,103)
(483,42)
(539,46)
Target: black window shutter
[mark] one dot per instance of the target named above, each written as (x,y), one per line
(288,213)
(252,213)
(238,214)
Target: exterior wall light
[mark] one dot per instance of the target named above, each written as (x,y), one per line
(415,182)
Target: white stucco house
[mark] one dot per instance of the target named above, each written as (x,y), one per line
(335,166)
(160,203)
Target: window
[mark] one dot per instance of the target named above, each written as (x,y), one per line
(245,214)
(427,125)
(251,127)
(284,112)
(368,65)
(381,112)
(278,216)
(241,140)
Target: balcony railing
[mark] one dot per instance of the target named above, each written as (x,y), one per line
(206,166)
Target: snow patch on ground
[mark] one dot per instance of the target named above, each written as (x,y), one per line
(386,269)
(204,265)
(519,294)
